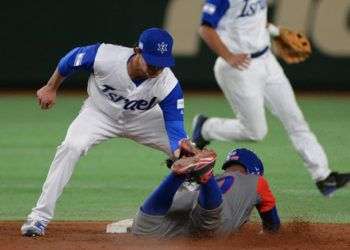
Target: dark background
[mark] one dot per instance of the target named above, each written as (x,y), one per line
(36,34)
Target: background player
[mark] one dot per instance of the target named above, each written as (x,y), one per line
(220,205)
(132,94)
(251,77)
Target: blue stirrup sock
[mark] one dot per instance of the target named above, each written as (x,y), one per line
(210,196)
(159,202)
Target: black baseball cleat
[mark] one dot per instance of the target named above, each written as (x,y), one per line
(197,125)
(333,182)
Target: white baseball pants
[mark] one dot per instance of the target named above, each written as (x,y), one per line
(248,91)
(90,128)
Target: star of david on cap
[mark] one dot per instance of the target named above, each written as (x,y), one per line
(156,47)
(162,47)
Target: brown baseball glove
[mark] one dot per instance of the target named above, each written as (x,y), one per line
(187,148)
(291,46)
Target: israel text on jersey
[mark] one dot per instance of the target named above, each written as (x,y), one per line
(250,7)
(140,104)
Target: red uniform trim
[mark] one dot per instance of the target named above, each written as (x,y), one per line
(267,200)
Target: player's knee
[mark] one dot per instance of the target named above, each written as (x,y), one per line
(257,134)
(78,146)
(297,125)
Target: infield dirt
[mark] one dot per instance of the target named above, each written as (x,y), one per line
(91,235)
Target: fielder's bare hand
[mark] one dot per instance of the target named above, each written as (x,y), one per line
(212,39)
(46,97)
(47,94)
(238,61)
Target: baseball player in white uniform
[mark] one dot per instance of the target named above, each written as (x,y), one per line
(251,78)
(132,93)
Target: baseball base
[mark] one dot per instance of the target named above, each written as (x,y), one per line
(122,226)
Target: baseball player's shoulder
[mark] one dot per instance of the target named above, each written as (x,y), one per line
(114,48)
(167,76)
(262,183)
(109,55)
(165,83)
(266,197)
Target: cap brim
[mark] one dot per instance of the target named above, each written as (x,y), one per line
(159,61)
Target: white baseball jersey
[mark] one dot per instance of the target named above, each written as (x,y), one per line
(241,24)
(116,94)
(113,91)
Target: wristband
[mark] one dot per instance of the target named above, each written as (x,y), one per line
(273,30)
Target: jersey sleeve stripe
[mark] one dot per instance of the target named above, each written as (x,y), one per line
(213,11)
(77,59)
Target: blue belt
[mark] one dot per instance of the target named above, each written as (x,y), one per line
(259,53)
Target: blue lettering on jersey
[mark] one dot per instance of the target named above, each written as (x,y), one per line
(251,8)
(141,104)
(225,183)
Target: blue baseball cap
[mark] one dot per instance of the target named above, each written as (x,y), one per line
(156,47)
(248,159)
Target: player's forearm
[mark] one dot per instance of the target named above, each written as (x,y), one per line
(212,39)
(270,220)
(55,80)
